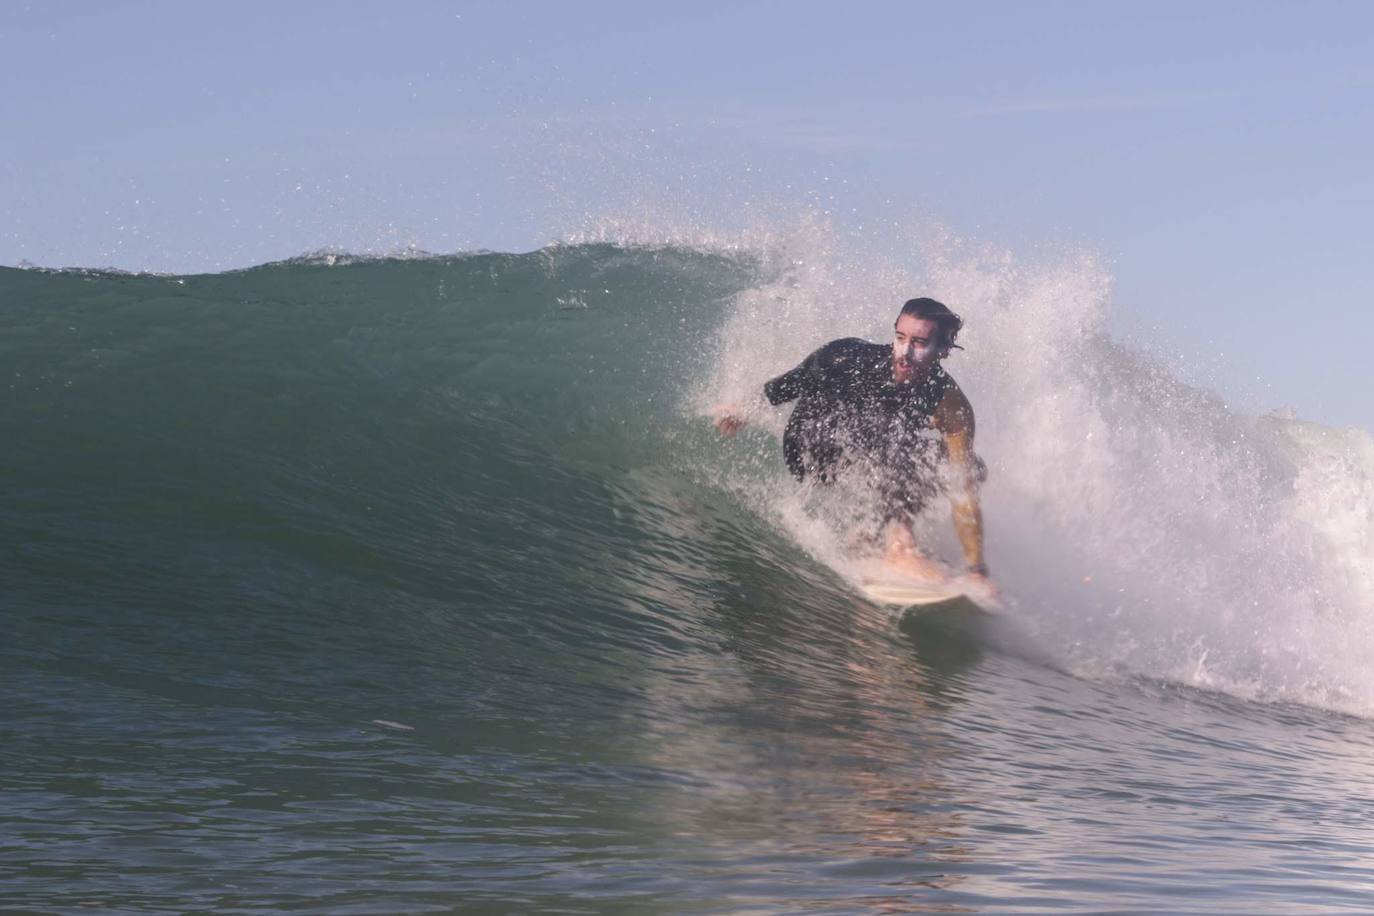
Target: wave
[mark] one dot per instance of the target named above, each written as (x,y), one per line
(522,436)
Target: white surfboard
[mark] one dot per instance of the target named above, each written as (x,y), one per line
(910,592)
(883,586)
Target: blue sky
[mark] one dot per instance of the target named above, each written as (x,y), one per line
(1217,155)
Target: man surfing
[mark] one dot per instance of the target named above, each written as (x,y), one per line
(894,416)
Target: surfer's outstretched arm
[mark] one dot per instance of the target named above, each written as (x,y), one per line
(731,418)
(954,417)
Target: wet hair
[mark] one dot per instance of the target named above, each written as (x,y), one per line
(946,321)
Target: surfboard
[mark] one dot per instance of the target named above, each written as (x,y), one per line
(910,593)
(913,594)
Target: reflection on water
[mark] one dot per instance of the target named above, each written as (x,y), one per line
(814,736)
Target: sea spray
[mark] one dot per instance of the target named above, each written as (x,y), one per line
(1141,526)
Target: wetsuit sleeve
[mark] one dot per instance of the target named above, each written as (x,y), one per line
(811,375)
(791,385)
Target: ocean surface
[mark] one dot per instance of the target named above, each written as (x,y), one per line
(355,585)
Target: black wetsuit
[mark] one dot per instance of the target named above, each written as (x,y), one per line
(852,416)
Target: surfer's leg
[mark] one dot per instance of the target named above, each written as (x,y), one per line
(903,555)
(901,503)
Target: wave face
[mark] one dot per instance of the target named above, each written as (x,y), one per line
(423,458)
(443,553)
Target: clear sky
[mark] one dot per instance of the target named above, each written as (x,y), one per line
(1218,155)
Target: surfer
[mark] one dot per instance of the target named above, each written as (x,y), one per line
(894,415)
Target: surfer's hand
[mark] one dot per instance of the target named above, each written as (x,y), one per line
(729,425)
(728,421)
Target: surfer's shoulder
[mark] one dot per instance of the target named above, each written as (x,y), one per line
(954,413)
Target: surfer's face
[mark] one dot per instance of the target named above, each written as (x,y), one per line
(914,347)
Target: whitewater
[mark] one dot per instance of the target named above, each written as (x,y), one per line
(358,584)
